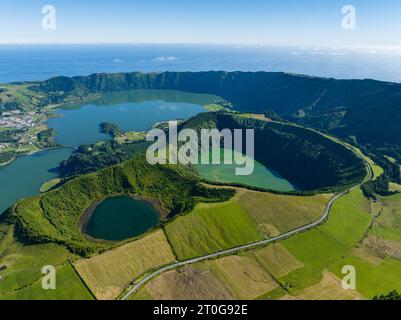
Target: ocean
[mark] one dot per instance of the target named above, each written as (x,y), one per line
(40,62)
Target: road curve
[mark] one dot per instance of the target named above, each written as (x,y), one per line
(283,236)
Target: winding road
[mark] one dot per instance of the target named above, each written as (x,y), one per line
(133,288)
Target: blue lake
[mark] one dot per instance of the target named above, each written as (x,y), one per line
(137,110)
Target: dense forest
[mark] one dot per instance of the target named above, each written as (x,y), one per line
(110,129)
(392,173)
(86,159)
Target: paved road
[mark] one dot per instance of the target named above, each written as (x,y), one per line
(286,235)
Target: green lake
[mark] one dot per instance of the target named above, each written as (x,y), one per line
(121,217)
(261,177)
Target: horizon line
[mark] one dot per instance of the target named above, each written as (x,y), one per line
(342,46)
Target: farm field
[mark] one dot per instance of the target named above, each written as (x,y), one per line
(322,247)
(191,282)
(211,228)
(281,212)
(387,225)
(329,288)
(333,245)
(308,266)
(21,267)
(214,227)
(250,275)
(231,277)
(109,273)
(69,287)
(246,278)
(276,259)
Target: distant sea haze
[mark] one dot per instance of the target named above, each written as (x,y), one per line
(25,62)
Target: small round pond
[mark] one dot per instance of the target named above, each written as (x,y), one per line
(119,218)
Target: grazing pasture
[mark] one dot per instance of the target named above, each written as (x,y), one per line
(211,228)
(283,212)
(109,273)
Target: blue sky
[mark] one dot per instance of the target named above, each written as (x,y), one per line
(277,22)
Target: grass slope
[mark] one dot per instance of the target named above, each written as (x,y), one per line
(210,228)
(21,278)
(324,246)
(68,287)
(282,212)
(54,216)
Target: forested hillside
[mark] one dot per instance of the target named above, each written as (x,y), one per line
(302,156)
(367,111)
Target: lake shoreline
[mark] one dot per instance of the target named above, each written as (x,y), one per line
(3,164)
(155,203)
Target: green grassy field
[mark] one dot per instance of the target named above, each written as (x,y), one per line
(68,287)
(388,225)
(377,170)
(331,247)
(282,212)
(21,278)
(210,228)
(309,265)
(324,246)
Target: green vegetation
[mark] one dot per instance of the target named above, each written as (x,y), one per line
(210,228)
(332,245)
(387,225)
(390,172)
(393,295)
(326,163)
(46,139)
(7,157)
(275,214)
(324,246)
(54,216)
(87,159)
(282,147)
(110,129)
(38,230)
(19,97)
(109,273)
(326,104)
(47,186)
(131,136)
(69,287)
(21,270)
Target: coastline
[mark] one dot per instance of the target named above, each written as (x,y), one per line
(156,204)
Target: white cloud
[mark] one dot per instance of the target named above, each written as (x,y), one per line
(163,59)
